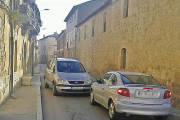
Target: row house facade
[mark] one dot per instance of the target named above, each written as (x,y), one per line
(19,24)
(62,47)
(47,48)
(76,15)
(133,35)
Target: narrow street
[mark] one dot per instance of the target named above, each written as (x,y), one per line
(74,107)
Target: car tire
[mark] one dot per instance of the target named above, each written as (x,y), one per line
(112,111)
(160,117)
(55,92)
(92,102)
(45,84)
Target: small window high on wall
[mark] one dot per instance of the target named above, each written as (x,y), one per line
(92,28)
(79,34)
(123,58)
(126,6)
(85,32)
(104,23)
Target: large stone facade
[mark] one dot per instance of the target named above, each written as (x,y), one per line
(143,38)
(77,14)
(23,42)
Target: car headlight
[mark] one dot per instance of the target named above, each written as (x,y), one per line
(88,82)
(62,82)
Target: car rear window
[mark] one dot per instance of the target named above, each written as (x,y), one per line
(70,66)
(140,79)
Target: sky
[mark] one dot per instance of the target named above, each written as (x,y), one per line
(53,19)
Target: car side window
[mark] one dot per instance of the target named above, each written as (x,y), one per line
(112,80)
(105,78)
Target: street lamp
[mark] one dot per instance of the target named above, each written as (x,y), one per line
(45,9)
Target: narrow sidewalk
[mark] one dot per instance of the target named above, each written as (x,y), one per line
(27,105)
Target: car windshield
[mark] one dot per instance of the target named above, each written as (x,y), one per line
(70,66)
(140,79)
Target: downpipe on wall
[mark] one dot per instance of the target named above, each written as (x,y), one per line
(12,56)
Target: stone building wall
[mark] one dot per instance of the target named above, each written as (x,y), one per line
(149,33)
(19,42)
(46,48)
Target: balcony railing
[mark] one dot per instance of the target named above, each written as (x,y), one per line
(32,13)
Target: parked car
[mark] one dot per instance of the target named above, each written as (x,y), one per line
(131,93)
(65,75)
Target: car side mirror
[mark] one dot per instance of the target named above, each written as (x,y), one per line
(87,71)
(99,80)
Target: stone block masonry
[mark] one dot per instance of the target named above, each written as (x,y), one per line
(144,40)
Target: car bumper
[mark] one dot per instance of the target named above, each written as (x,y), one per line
(73,88)
(142,109)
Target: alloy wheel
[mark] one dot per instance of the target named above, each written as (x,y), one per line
(111,110)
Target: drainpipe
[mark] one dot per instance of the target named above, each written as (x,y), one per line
(12,48)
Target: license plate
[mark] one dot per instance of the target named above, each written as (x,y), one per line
(146,94)
(76,88)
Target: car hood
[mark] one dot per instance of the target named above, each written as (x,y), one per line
(73,76)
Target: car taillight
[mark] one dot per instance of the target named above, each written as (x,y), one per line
(123,92)
(167,94)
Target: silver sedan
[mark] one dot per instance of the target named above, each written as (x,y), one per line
(131,93)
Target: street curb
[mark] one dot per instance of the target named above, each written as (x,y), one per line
(174,114)
(39,104)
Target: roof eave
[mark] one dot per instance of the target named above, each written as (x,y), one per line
(102,7)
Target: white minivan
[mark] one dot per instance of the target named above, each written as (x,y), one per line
(66,75)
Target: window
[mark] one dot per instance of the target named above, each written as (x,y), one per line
(139,79)
(79,34)
(74,33)
(16,4)
(104,23)
(74,15)
(93,27)
(126,5)
(113,80)
(123,58)
(67,45)
(70,66)
(85,32)
(104,79)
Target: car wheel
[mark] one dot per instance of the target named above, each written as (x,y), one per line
(160,117)
(92,102)
(55,92)
(45,84)
(112,111)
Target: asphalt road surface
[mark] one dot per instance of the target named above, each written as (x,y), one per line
(75,107)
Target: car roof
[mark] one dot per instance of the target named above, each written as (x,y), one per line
(67,59)
(130,73)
